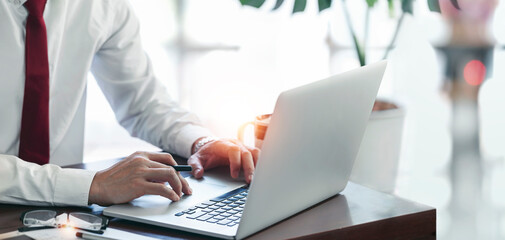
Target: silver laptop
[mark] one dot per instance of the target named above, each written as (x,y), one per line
(307,157)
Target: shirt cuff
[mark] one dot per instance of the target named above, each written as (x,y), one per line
(72,187)
(187,136)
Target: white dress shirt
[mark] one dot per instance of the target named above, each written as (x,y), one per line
(83,35)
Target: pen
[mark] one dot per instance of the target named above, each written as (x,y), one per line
(182,168)
(88,236)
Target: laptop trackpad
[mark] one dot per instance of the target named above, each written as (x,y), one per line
(214,183)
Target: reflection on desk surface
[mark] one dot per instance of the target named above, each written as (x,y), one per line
(356,205)
(335,211)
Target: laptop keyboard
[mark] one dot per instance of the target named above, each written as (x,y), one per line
(224,210)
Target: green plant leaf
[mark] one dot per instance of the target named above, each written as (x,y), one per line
(434,6)
(299,6)
(252,3)
(408,6)
(359,50)
(278,4)
(371,3)
(456,4)
(324,4)
(391,6)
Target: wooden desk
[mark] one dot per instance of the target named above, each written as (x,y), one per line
(357,213)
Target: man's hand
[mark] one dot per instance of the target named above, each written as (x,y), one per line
(225,152)
(139,174)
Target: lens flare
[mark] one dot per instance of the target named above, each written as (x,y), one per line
(474,72)
(68,231)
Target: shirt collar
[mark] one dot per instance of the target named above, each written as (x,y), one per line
(17,3)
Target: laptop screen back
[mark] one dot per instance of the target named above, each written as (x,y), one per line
(310,146)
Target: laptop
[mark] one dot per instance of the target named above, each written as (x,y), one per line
(307,157)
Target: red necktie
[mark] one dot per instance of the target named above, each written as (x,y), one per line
(34,138)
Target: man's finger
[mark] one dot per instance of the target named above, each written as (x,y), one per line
(235,162)
(164,158)
(196,165)
(186,189)
(248,165)
(162,190)
(255,153)
(166,174)
(155,164)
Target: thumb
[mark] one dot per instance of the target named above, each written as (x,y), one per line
(194,161)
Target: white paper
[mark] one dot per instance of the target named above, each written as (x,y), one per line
(53,233)
(69,234)
(119,234)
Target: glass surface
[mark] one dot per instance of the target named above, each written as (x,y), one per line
(39,218)
(85,221)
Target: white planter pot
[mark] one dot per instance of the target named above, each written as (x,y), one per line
(376,164)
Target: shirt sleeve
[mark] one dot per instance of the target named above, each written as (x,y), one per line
(28,183)
(139,100)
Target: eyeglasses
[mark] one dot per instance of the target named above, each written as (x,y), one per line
(41,219)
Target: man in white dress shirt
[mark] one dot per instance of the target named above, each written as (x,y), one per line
(101,36)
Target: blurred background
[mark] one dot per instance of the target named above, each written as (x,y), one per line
(229,62)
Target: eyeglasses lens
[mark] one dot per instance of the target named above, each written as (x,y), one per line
(85,221)
(38,217)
